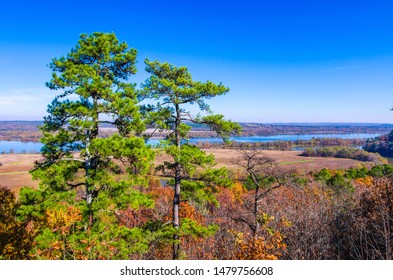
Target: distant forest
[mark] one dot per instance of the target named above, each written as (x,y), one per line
(28,131)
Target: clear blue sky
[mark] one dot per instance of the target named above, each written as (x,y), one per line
(285,61)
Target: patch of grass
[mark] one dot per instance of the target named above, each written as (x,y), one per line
(294,162)
(13,173)
(15,162)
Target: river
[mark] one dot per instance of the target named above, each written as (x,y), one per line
(34,147)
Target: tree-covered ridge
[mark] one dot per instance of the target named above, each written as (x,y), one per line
(344,152)
(382,145)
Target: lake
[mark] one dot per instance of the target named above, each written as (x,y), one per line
(19,147)
(33,147)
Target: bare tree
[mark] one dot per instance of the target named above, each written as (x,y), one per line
(263,175)
(371,233)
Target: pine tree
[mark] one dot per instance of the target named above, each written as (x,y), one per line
(191,169)
(91,82)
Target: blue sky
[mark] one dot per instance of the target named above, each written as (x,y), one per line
(285,61)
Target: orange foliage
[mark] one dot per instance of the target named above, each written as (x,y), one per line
(134,218)
(368,181)
(16,238)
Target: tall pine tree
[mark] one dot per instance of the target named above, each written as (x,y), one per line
(99,174)
(191,169)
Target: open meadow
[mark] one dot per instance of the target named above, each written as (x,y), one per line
(14,169)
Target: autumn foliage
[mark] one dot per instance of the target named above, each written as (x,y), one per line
(16,238)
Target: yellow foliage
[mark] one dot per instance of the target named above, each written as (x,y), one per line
(367,181)
(238,191)
(63,218)
(259,247)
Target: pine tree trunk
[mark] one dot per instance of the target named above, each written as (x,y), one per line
(176,198)
(176,219)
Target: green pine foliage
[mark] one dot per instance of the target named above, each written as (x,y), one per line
(91,177)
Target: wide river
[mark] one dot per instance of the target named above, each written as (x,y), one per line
(32,147)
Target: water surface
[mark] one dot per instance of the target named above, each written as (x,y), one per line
(20,147)
(33,147)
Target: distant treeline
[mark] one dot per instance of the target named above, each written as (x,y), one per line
(381,147)
(21,135)
(285,145)
(19,125)
(274,129)
(344,152)
(261,129)
(24,131)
